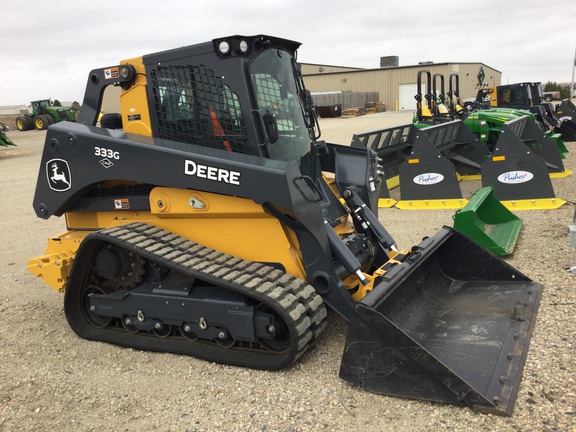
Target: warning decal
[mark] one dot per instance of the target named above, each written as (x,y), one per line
(111,73)
(121,204)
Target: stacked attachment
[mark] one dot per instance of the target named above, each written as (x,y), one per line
(538,143)
(426,163)
(520,178)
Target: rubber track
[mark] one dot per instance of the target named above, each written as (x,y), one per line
(296,302)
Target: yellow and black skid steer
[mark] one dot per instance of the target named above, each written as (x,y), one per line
(208,219)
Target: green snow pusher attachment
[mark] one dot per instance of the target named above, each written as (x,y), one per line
(488,222)
(488,123)
(445,327)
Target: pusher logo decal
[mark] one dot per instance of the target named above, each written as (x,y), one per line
(428,178)
(514,177)
(58,174)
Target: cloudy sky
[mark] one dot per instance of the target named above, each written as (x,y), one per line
(48,48)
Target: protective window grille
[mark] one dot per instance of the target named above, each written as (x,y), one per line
(194,106)
(269,97)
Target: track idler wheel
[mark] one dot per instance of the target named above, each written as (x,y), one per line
(224,340)
(281,339)
(92,317)
(128,325)
(188,334)
(162,330)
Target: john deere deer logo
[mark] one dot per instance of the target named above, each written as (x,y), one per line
(58,173)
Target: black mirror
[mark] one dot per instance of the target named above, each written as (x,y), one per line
(271,127)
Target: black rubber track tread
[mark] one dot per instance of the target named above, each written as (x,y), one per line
(298,304)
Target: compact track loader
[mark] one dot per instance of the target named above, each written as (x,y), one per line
(216,224)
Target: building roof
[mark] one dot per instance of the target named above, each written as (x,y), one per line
(419,66)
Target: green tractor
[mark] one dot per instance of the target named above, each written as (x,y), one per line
(487,124)
(44,113)
(481,116)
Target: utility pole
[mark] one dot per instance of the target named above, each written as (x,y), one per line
(572,89)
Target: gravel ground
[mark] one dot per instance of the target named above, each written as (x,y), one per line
(52,380)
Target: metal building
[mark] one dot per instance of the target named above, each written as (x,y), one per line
(397,86)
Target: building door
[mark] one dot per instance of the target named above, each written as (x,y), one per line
(406,93)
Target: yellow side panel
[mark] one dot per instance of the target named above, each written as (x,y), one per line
(236,226)
(134,104)
(98,220)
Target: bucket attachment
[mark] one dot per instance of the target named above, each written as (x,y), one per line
(488,222)
(451,323)
(519,177)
